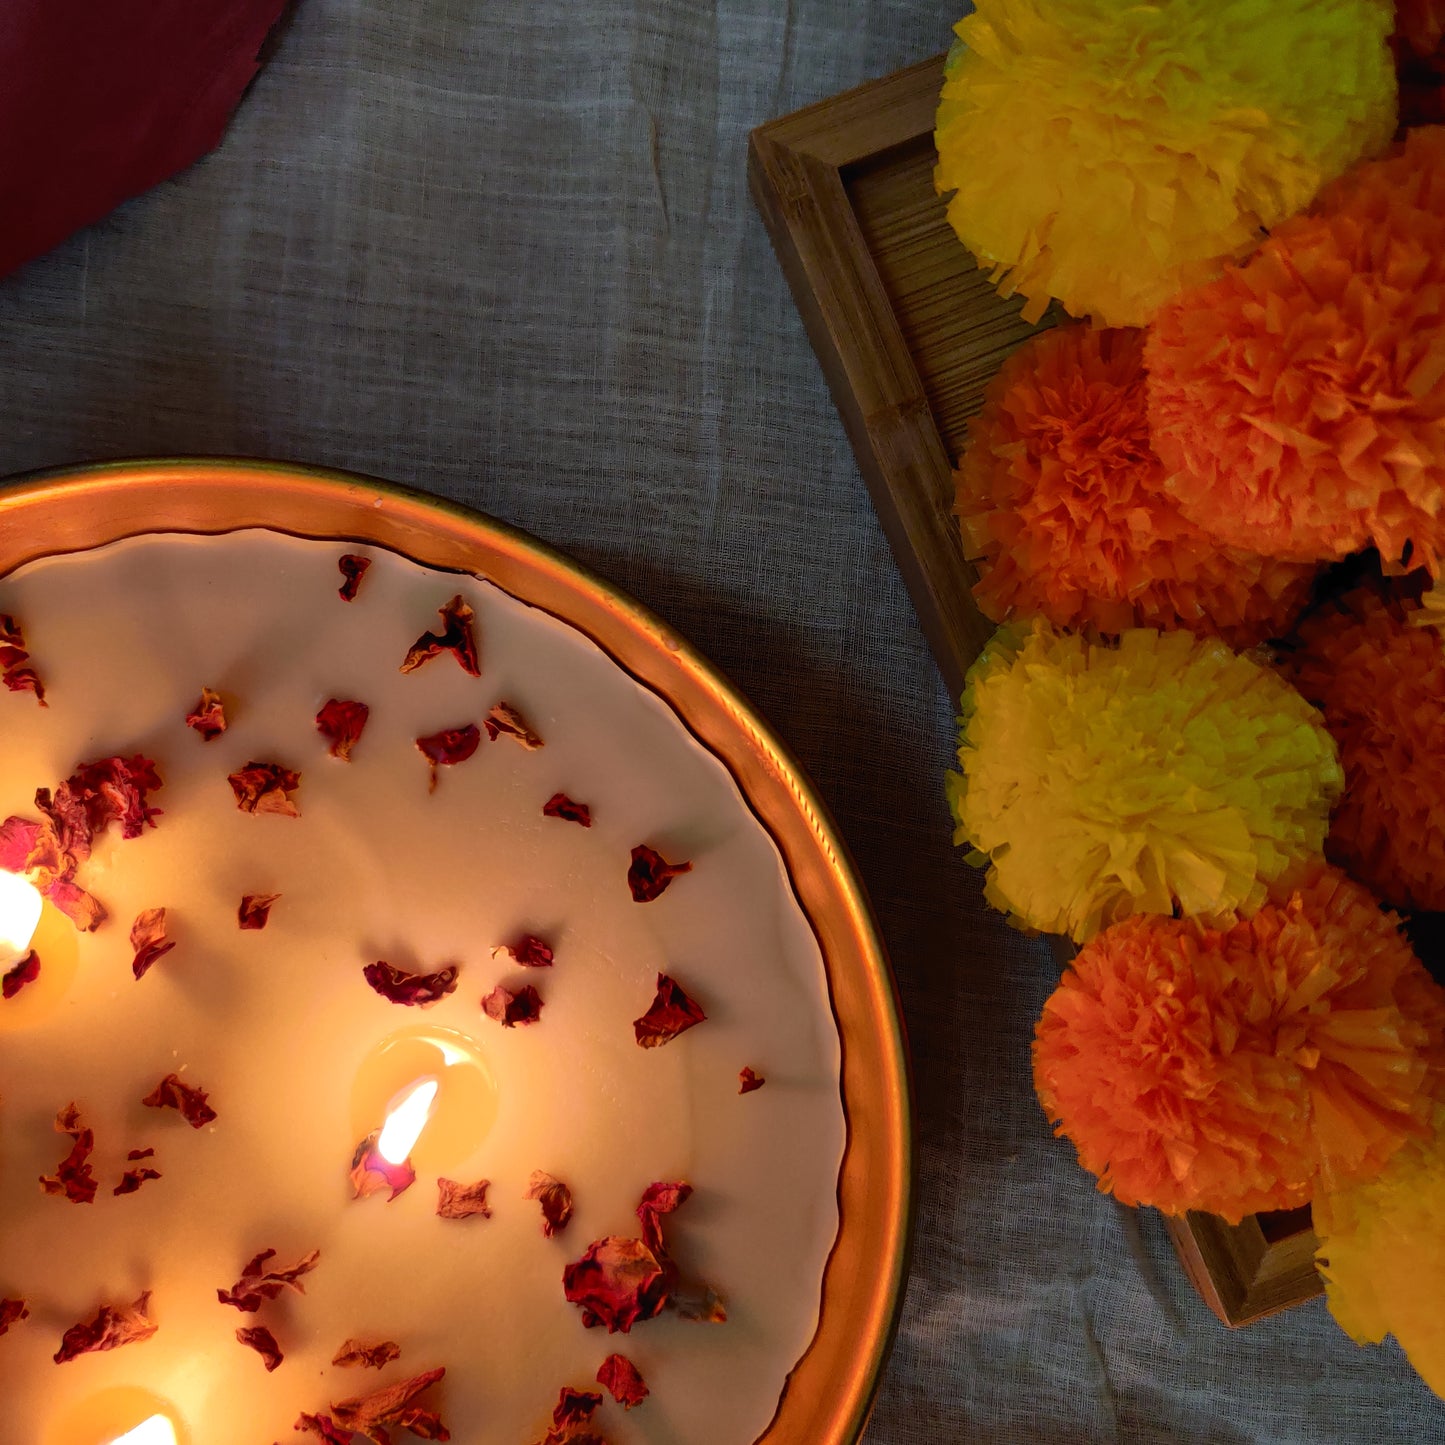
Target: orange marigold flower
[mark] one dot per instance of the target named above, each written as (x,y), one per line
(1062,498)
(1232,1069)
(1380,682)
(1299,401)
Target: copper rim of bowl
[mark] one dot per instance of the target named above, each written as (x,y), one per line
(829,1393)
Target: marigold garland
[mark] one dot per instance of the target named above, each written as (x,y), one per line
(1382,1254)
(1299,401)
(1062,498)
(1109,154)
(1167,772)
(1380,682)
(1231,1069)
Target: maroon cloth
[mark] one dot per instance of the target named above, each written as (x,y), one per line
(102,99)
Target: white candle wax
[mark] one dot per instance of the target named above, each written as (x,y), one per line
(276,1024)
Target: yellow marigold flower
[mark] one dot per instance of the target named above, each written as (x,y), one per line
(1108,154)
(1164,773)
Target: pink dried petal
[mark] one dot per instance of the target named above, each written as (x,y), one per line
(659,1200)
(462,1201)
(255,910)
(132,1179)
(260,1339)
(555,1198)
(325,1427)
(509,1007)
(73,1176)
(748,1081)
(528,951)
(504,719)
(650,875)
(559,805)
(84,910)
(12,1311)
(113,1326)
(449,747)
(172,1093)
(617,1283)
(414,989)
(457,637)
(355,1355)
(620,1378)
(341,722)
(266,788)
(148,939)
(208,717)
(393,1405)
(672,1012)
(353,569)
(258,1283)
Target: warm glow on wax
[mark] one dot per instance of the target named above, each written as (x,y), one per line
(20,905)
(155,1431)
(405,1120)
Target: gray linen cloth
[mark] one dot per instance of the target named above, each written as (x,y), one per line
(504,252)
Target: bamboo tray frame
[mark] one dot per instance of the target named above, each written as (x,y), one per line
(909,333)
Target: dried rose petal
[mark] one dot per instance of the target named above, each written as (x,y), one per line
(620,1378)
(260,1339)
(208,717)
(700,1304)
(26,971)
(255,910)
(341,723)
(369,1415)
(26,679)
(556,1200)
(415,989)
(457,638)
(12,1311)
(658,1200)
(148,939)
(73,1176)
(372,1172)
(461,1201)
(504,718)
(353,569)
(355,1355)
(13,659)
(449,747)
(257,1283)
(524,1006)
(265,788)
(87,913)
(650,874)
(575,1407)
(111,790)
(529,951)
(172,1093)
(748,1081)
(325,1427)
(559,805)
(132,1179)
(672,1012)
(112,1327)
(617,1282)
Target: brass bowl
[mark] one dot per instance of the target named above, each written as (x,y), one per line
(830,1391)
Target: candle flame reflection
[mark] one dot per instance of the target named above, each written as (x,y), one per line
(20,905)
(155,1431)
(405,1120)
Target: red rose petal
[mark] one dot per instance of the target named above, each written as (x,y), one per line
(700,1304)
(172,1093)
(132,1179)
(559,805)
(14,672)
(148,939)
(73,1176)
(658,1200)
(325,1427)
(265,788)
(457,638)
(528,951)
(555,1198)
(341,723)
(115,790)
(355,1355)
(260,1339)
(748,1081)
(26,971)
(617,1283)
(208,717)
(620,1378)
(575,1407)
(449,747)
(650,874)
(112,1327)
(258,1283)
(26,679)
(461,1201)
(372,1172)
(369,1415)
(87,913)
(414,989)
(255,910)
(12,1311)
(672,1012)
(504,719)
(353,569)
(508,1007)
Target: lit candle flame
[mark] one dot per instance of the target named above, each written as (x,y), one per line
(405,1120)
(20,905)
(155,1431)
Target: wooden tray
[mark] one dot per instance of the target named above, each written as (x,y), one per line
(909,332)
